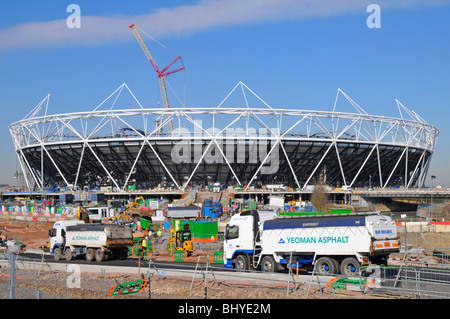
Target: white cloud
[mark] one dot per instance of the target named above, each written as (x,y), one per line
(206,14)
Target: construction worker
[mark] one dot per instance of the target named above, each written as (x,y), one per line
(144,243)
(158,235)
(143,246)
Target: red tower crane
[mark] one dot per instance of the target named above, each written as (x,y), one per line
(161,74)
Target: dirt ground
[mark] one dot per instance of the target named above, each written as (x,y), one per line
(32,234)
(96,287)
(35,234)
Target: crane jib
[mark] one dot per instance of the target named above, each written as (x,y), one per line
(161,74)
(168,66)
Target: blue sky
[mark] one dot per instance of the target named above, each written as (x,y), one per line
(292,53)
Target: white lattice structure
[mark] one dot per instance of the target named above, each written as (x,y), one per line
(248,145)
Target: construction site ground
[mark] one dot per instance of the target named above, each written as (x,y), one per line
(35,234)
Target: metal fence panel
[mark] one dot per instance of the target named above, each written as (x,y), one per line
(434,283)
(411,281)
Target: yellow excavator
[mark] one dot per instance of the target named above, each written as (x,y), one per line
(82,215)
(122,217)
(180,240)
(135,203)
(132,212)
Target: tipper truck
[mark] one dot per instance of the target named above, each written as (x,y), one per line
(70,239)
(212,210)
(333,244)
(183,212)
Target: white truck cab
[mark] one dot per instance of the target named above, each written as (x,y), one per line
(241,234)
(58,232)
(97,214)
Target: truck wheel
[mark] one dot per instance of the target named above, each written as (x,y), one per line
(241,263)
(325,266)
(99,255)
(89,255)
(68,254)
(336,266)
(124,254)
(350,266)
(268,264)
(57,254)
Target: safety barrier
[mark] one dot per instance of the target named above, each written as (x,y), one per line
(420,282)
(180,255)
(170,247)
(34,216)
(149,250)
(137,248)
(216,257)
(343,283)
(406,281)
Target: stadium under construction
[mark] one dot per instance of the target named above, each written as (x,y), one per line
(161,148)
(121,145)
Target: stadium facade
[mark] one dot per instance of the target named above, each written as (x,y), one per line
(249,145)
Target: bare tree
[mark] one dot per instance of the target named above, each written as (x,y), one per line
(319,197)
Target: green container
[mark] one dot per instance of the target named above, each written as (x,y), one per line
(204,230)
(302,213)
(252,204)
(180,224)
(145,223)
(341,210)
(131,187)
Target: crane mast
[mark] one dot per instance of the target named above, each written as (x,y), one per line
(161,74)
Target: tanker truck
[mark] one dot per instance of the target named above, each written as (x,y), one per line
(333,244)
(70,239)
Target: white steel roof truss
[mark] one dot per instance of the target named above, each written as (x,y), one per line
(47,130)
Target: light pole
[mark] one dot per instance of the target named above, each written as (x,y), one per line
(432,178)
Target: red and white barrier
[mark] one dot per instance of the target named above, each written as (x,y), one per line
(41,217)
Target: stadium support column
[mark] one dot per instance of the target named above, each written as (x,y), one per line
(318,164)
